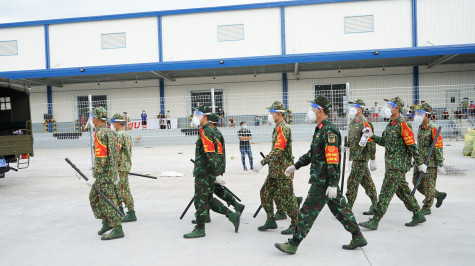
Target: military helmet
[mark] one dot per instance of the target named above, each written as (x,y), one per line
(277,107)
(100,113)
(213,118)
(398,101)
(323,102)
(118,118)
(359,102)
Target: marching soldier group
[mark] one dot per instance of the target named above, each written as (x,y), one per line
(113,162)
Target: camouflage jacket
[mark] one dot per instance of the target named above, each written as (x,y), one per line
(358,153)
(221,150)
(125,151)
(207,162)
(106,153)
(280,156)
(400,145)
(425,136)
(323,156)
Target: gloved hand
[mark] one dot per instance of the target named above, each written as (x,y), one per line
(423,168)
(290,170)
(331,192)
(257,167)
(372,165)
(90,182)
(441,170)
(367,132)
(344,148)
(220,180)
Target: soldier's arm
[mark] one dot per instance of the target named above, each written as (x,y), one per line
(438,149)
(283,135)
(332,155)
(372,145)
(408,136)
(223,161)
(378,140)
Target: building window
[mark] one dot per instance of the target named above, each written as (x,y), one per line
(5,103)
(83,104)
(359,24)
(8,48)
(336,93)
(113,40)
(204,98)
(230,32)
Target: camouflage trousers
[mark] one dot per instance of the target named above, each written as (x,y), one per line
(313,205)
(395,182)
(101,209)
(224,194)
(123,192)
(427,185)
(204,201)
(360,175)
(282,190)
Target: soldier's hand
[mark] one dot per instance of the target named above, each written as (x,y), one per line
(331,192)
(344,148)
(423,168)
(441,170)
(220,180)
(367,132)
(257,167)
(90,182)
(372,165)
(290,170)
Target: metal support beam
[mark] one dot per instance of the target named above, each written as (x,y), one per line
(296,68)
(52,84)
(162,96)
(416,84)
(282,29)
(285,89)
(49,98)
(441,60)
(414,23)
(162,76)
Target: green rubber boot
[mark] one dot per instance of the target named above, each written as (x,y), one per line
(357,242)
(280,216)
(299,201)
(371,210)
(130,217)
(235,217)
(105,227)
(116,233)
(417,219)
(425,211)
(289,231)
(239,207)
(372,224)
(197,232)
(289,247)
(208,220)
(270,224)
(440,198)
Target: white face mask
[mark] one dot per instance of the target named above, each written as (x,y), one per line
(113,127)
(386,112)
(419,118)
(196,121)
(310,117)
(352,112)
(270,117)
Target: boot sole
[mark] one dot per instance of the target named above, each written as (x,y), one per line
(236,227)
(133,220)
(101,233)
(441,201)
(368,213)
(117,237)
(194,222)
(287,233)
(280,219)
(346,247)
(278,247)
(368,227)
(187,237)
(265,229)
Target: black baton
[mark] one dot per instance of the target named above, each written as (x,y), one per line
(260,206)
(95,188)
(344,164)
(147,176)
(187,207)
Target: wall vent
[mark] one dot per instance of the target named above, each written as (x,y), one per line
(113,40)
(359,24)
(230,32)
(8,48)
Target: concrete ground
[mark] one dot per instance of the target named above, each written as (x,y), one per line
(46,220)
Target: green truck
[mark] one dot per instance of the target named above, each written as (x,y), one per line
(16,138)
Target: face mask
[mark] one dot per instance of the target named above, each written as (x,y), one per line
(386,112)
(113,127)
(245,126)
(311,116)
(352,113)
(270,117)
(197,116)
(419,117)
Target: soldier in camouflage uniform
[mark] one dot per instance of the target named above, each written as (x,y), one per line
(400,145)
(324,160)
(105,176)
(218,185)
(124,164)
(425,137)
(207,167)
(360,157)
(277,185)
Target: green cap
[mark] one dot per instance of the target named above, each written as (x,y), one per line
(204,109)
(278,106)
(213,118)
(100,113)
(426,107)
(118,118)
(398,101)
(358,101)
(323,102)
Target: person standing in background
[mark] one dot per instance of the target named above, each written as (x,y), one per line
(375,110)
(245,145)
(144,120)
(220,114)
(169,123)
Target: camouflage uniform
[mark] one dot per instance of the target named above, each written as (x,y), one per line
(105,172)
(324,160)
(398,140)
(360,157)
(124,164)
(207,167)
(425,137)
(277,185)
